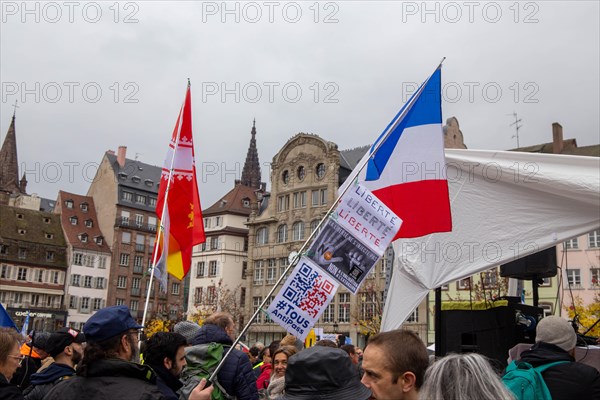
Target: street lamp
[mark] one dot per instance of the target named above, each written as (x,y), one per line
(335,327)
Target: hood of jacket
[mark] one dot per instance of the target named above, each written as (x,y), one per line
(212,333)
(51,374)
(544,353)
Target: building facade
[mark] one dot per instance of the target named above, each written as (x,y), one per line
(88,255)
(125,193)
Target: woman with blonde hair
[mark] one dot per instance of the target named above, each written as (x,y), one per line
(463,376)
(279,362)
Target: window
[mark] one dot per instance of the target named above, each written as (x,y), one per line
(54,275)
(271,271)
(414,316)
(97,304)
(5,271)
(122,282)
(198,295)
(594,239)
(574,277)
(125,218)
(244,269)
(313,225)
(87,281)
(298,230)
(119,302)
(35,299)
(46,220)
(50,256)
(464,284)
(3,249)
(22,252)
(75,280)
(212,268)
(262,236)
(323,196)
(126,237)
(546,282)
(83,237)
(328,314)
(99,240)
(140,199)
(20,216)
(138,261)
(152,201)
(283,202)
(140,240)
(200,266)
(89,223)
(85,304)
(124,260)
(282,235)
(22,231)
(102,262)
(368,302)
(285,177)
(571,244)
(489,278)
(344,307)
(100,283)
(22,274)
(78,258)
(72,302)
(175,288)
(49,236)
(595,278)
(258,272)
(218,221)
(207,222)
(283,264)
(69,203)
(40,275)
(300,199)
(320,170)
(73,220)
(127,196)
(84,207)
(134,305)
(152,224)
(315,197)
(214,243)
(547,308)
(139,220)
(256,301)
(211,294)
(301,172)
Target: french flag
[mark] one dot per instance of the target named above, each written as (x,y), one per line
(406,167)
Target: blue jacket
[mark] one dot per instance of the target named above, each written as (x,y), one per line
(42,382)
(236,374)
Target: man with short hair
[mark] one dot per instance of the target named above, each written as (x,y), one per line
(66,347)
(109,369)
(236,375)
(395,363)
(349,348)
(165,354)
(555,341)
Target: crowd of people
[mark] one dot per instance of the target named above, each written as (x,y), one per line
(103,362)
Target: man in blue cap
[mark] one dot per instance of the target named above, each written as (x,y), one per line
(109,368)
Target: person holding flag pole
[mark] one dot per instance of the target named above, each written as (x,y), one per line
(376,167)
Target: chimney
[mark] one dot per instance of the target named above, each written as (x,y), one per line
(557,138)
(121,155)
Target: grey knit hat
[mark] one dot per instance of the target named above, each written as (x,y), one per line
(187,329)
(557,331)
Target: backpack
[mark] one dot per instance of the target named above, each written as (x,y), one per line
(202,360)
(526,382)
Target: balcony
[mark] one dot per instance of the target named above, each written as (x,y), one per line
(122,222)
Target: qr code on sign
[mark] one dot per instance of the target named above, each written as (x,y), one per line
(317,297)
(303,281)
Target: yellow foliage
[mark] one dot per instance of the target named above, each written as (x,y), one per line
(157,325)
(587,315)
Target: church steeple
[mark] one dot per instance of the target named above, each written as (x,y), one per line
(251,172)
(9,165)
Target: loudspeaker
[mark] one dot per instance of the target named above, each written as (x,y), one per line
(538,265)
(489,332)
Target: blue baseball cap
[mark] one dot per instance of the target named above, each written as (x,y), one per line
(109,322)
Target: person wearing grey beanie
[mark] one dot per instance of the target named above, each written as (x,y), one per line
(187,329)
(555,341)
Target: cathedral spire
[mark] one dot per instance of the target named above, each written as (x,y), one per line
(9,165)
(251,172)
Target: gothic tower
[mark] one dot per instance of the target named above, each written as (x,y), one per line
(251,172)
(9,165)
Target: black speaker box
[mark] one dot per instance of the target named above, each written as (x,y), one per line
(537,265)
(489,332)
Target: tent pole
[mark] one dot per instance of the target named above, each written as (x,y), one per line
(438,323)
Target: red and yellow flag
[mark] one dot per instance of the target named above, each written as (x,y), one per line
(178,206)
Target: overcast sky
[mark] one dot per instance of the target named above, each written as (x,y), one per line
(89,77)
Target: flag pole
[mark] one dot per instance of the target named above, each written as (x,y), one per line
(352,177)
(161,232)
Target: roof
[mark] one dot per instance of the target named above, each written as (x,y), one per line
(136,174)
(351,157)
(232,202)
(47,204)
(569,147)
(32,221)
(73,232)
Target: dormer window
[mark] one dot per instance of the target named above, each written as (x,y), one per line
(22,231)
(20,216)
(84,207)
(136,179)
(149,182)
(73,220)
(69,203)
(83,237)
(99,240)
(49,236)
(122,175)
(46,220)
(246,202)
(89,223)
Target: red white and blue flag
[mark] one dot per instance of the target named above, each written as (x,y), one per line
(407,171)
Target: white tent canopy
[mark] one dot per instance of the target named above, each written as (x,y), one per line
(505,205)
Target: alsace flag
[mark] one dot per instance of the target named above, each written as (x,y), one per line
(178,205)
(407,172)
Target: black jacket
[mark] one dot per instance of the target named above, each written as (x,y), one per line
(236,375)
(111,379)
(166,382)
(42,382)
(28,367)
(9,391)
(566,381)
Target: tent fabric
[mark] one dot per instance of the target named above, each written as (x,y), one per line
(505,205)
